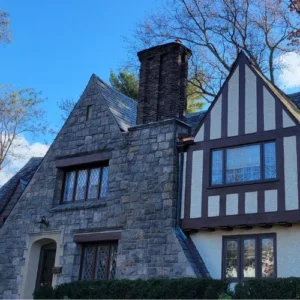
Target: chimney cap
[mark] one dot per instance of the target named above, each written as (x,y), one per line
(164,48)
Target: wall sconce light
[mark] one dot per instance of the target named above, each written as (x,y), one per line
(44,222)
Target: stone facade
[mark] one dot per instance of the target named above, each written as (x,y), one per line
(142,199)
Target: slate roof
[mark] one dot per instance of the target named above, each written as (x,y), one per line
(193,119)
(23,176)
(122,107)
(295,98)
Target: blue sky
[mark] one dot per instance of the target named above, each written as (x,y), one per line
(57,45)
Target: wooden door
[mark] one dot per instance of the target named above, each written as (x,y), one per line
(46,263)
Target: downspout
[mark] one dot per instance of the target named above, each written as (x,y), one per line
(179,190)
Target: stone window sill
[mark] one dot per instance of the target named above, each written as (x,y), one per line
(78,206)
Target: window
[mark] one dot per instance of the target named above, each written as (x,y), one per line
(251,256)
(88,112)
(247,163)
(99,261)
(85,184)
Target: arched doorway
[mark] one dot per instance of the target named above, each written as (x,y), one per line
(46,263)
(40,258)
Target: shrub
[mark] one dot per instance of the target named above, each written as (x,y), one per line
(43,292)
(185,288)
(271,288)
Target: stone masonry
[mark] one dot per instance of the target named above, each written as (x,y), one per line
(141,202)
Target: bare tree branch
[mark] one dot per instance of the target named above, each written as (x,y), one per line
(20,113)
(5,33)
(216,30)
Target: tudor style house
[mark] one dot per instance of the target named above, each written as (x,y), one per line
(141,189)
(240,196)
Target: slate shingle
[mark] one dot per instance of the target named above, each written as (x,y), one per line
(295,98)
(122,107)
(24,175)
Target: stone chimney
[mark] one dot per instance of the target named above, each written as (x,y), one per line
(163,82)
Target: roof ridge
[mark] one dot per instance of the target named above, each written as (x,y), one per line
(123,108)
(114,89)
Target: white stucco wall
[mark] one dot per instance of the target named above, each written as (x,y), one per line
(286,120)
(183,186)
(196,188)
(250,102)
(200,135)
(269,110)
(209,245)
(213,206)
(232,202)
(270,200)
(250,202)
(216,120)
(233,104)
(290,173)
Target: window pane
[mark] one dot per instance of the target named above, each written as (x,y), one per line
(243,164)
(231,259)
(104,182)
(217,167)
(94,183)
(81,185)
(102,262)
(69,186)
(267,257)
(249,258)
(113,263)
(88,263)
(270,160)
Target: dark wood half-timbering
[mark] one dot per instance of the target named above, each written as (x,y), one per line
(247,111)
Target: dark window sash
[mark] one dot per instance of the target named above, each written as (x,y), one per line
(262,161)
(258,255)
(100,182)
(224,262)
(93,275)
(108,262)
(224,164)
(86,186)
